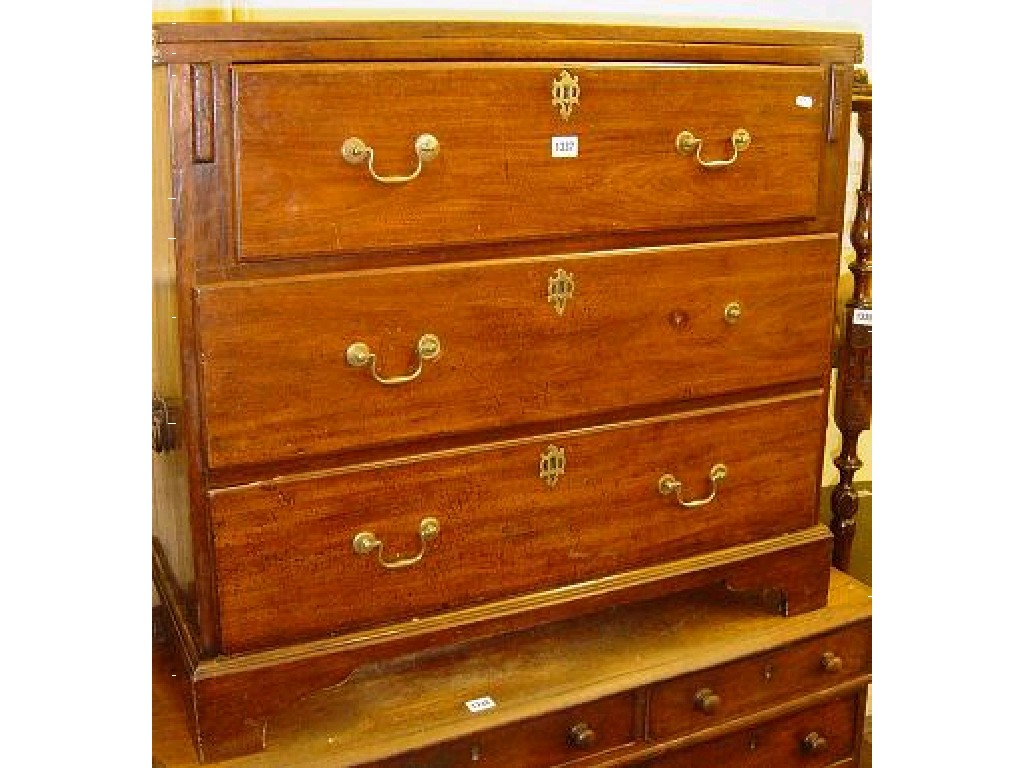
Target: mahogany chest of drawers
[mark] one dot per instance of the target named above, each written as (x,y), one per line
(704,679)
(465,328)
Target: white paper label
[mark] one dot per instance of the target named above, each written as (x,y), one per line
(480,705)
(804,101)
(862,317)
(565,146)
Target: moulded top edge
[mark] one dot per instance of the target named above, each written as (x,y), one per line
(670,29)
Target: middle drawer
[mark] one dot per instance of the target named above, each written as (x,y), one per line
(304,557)
(321,364)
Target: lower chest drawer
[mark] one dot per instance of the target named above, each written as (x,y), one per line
(555,739)
(813,738)
(714,696)
(310,556)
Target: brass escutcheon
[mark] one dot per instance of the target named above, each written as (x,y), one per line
(552,465)
(560,289)
(565,93)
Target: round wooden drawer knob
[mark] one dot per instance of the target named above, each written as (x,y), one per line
(707,701)
(582,736)
(831,663)
(814,743)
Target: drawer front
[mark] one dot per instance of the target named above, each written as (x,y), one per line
(812,738)
(640,327)
(545,741)
(512,518)
(494,177)
(713,696)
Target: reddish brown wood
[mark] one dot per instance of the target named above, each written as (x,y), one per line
(234,696)
(620,348)
(523,32)
(607,726)
(641,328)
(780,742)
(284,549)
(495,179)
(202,113)
(853,382)
(758,683)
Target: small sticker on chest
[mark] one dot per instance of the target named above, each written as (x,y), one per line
(804,101)
(862,317)
(480,705)
(565,146)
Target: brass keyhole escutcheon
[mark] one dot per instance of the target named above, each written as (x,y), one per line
(552,465)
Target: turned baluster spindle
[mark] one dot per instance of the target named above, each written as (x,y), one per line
(853,381)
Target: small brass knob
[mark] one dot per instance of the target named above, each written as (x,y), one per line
(814,744)
(582,736)
(831,663)
(733,311)
(707,701)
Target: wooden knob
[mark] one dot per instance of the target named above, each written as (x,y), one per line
(707,701)
(582,736)
(831,663)
(814,744)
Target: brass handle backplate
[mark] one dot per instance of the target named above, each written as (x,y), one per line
(582,736)
(814,743)
(359,355)
(365,542)
(356,151)
(707,701)
(688,144)
(667,485)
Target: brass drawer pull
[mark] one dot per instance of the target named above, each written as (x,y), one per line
(687,143)
(364,543)
(582,736)
(359,355)
(814,744)
(707,701)
(668,484)
(355,151)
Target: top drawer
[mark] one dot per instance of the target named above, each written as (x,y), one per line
(494,177)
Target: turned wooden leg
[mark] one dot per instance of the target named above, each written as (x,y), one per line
(853,381)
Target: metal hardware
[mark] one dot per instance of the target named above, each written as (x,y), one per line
(831,663)
(365,542)
(582,736)
(359,355)
(560,288)
(565,93)
(769,671)
(813,743)
(687,143)
(667,484)
(355,151)
(164,427)
(733,310)
(707,701)
(552,465)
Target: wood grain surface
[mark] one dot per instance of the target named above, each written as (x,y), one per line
(642,327)
(495,178)
(414,701)
(286,569)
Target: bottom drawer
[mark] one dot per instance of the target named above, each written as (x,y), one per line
(812,738)
(551,740)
